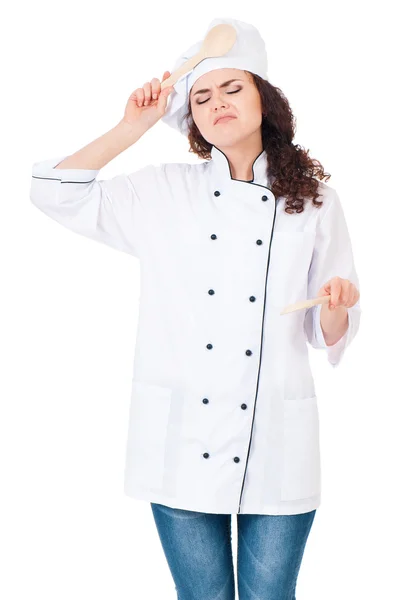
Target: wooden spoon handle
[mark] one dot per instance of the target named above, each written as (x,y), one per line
(218,41)
(306,304)
(184,68)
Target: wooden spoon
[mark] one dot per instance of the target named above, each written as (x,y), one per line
(306,304)
(218,41)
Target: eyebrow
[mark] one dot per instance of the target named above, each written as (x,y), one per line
(221,86)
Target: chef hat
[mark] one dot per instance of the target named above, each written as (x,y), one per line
(248,53)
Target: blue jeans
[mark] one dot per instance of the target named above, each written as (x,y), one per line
(198,550)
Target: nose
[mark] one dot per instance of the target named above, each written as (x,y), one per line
(217,103)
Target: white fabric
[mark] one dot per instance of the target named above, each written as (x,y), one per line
(248,53)
(262,405)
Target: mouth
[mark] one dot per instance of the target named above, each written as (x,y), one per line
(224,120)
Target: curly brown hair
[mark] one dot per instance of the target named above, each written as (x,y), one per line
(292,172)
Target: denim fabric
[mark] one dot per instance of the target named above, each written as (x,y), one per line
(198,550)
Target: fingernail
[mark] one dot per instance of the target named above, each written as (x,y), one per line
(155,96)
(332,306)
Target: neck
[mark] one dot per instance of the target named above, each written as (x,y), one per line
(242,156)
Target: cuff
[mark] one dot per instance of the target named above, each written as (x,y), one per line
(336,351)
(45,169)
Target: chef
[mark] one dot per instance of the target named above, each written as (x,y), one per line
(223,415)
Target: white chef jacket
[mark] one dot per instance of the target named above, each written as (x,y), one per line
(223,415)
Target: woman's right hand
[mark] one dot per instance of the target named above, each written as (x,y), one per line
(147,104)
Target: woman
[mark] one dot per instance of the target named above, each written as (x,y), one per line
(224,416)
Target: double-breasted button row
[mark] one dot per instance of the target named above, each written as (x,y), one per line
(206,401)
(214,237)
(263,198)
(211,292)
(248,351)
(207,455)
(209,346)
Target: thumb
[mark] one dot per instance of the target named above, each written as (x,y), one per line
(323,291)
(164,94)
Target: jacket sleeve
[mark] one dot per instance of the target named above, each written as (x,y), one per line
(332,257)
(108,211)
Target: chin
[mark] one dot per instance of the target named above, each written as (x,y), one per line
(227,140)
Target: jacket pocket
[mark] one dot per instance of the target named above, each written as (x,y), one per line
(147,433)
(301,476)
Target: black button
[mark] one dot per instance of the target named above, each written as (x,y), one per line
(259,242)
(213,236)
(205,401)
(211,292)
(243,406)
(216,193)
(209,346)
(264,197)
(206,455)
(252,298)
(236,459)
(249,352)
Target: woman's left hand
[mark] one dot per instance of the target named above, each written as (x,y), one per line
(342,291)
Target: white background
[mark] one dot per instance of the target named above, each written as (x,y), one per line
(69,306)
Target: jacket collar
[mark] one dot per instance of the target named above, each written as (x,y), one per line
(222,169)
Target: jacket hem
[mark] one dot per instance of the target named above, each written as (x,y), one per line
(300,506)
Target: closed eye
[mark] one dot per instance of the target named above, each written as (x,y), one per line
(235,92)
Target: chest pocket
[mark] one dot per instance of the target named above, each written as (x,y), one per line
(291,254)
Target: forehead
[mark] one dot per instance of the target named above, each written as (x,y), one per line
(217,77)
